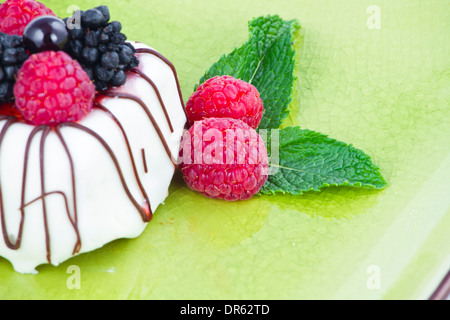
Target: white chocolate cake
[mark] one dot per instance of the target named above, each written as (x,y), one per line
(72,188)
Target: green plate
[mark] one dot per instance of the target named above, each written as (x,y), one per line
(375,76)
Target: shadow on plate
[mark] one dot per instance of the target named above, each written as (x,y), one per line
(330,203)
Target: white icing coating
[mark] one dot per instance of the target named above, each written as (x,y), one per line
(104,210)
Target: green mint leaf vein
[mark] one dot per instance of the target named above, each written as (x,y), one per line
(267,61)
(311,161)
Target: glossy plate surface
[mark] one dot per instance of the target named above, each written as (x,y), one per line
(386,90)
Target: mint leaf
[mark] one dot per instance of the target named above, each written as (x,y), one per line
(307,160)
(267,61)
(310,161)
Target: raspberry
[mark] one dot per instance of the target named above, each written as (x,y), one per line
(16,14)
(52,88)
(224,158)
(226,97)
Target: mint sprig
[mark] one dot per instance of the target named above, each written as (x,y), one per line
(306,160)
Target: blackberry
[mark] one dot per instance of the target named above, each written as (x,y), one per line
(101,49)
(12,57)
(110,60)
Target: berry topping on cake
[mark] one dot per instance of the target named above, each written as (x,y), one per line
(100,47)
(224,158)
(12,56)
(52,88)
(226,97)
(44,34)
(16,14)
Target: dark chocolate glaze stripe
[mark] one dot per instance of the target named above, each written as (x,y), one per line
(144,210)
(73,220)
(10,121)
(171,66)
(144,160)
(158,94)
(66,203)
(44,205)
(24,178)
(62,194)
(116,163)
(147,217)
(149,115)
(8,242)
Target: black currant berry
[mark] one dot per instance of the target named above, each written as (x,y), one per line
(119,78)
(117,26)
(103,74)
(110,60)
(6,91)
(89,55)
(125,54)
(93,18)
(45,33)
(105,12)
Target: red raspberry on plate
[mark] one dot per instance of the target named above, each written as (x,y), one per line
(226,97)
(16,14)
(224,158)
(52,88)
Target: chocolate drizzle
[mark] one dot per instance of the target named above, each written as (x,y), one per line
(44,201)
(149,115)
(8,242)
(144,209)
(74,220)
(105,145)
(171,66)
(144,160)
(158,95)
